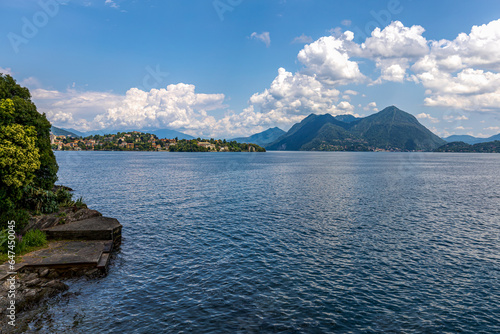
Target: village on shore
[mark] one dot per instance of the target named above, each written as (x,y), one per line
(139,141)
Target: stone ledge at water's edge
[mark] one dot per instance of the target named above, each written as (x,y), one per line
(80,245)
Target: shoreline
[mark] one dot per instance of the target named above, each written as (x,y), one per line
(80,244)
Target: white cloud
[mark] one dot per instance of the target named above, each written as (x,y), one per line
(264,37)
(111,4)
(371,106)
(492,128)
(176,107)
(328,60)
(302,39)
(427,116)
(396,42)
(393,48)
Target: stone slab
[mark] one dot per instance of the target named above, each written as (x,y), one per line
(66,253)
(96,228)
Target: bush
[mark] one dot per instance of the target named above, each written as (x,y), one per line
(39,200)
(62,195)
(34,238)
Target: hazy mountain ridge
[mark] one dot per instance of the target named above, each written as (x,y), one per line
(262,138)
(160,133)
(470,139)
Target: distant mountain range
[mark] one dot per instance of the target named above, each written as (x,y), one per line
(470,139)
(389,129)
(263,138)
(161,133)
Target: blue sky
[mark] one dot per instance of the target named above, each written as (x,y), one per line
(235,67)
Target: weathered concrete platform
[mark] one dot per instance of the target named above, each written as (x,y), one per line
(96,228)
(65,254)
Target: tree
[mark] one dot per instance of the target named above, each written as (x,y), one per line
(19,157)
(25,114)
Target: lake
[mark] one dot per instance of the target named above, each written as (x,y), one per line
(289,242)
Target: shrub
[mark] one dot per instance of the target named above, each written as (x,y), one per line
(34,238)
(40,200)
(62,195)
(80,204)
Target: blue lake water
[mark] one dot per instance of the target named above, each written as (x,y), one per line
(289,242)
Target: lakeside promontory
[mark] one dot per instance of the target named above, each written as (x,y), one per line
(46,236)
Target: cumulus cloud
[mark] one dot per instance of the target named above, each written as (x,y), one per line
(176,107)
(263,37)
(328,59)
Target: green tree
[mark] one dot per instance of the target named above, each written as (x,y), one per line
(19,158)
(25,114)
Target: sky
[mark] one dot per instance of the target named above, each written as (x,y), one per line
(226,68)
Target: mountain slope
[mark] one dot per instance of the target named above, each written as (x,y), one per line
(62,132)
(393,128)
(389,129)
(262,138)
(304,132)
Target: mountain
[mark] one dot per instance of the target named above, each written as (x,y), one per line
(311,127)
(393,128)
(470,139)
(346,118)
(389,129)
(63,132)
(262,138)
(460,146)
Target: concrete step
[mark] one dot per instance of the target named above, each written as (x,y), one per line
(103,261)
(96,228)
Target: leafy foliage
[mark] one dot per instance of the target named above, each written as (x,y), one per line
(25,114)
(26,158)
(19,157)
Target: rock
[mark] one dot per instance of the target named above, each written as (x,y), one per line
(33,282)
(57,285)
(29,277)
(43,272)
(64,216)
(92,272)
(53,274)
(30,293)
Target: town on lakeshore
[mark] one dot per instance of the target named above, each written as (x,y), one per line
(139,141)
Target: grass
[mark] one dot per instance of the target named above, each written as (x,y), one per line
(4,257)
(31,241)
